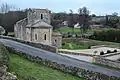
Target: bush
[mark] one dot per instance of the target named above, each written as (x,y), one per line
(119,59)
(89,47)
(108,51)
(111,35)
(63,44)
(115,50)
(102,53)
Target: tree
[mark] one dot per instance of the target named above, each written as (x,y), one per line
(71,20)
(9,15)
(93,15)
(115,14)
(9,19)
(84,13)
(1,15)
(4,7)
(57,19)
(112,20)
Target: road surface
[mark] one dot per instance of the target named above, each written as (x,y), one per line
(58,58)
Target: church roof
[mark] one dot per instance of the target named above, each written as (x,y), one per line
(39,24)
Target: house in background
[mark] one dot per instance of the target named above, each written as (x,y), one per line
(95,26)
(98,18)
(36,28)
(77,26)
(65,23)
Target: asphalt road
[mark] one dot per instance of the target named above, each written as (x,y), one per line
(58,58)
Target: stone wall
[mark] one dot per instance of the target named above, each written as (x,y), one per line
(37,45)
(20,30)
(57,40)
(73,53)
(34,15)
(111,54)
(4,75)
(89,75)
(104,61)
(99,46)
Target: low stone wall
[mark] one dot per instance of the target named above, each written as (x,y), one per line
(89,75)
(110,54)
(4,75)
(99,46)
(104,61)
(74,53)
(37,45)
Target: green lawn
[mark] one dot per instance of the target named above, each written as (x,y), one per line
(24,68)
(89,31)
(71,30)
(11,33)
(72,46)
(89,42)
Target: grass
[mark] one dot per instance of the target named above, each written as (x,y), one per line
(89,42)
(106,43)
(11,33)
(72,46)
(80,43)
(106,66)
(70,30)
(24,68)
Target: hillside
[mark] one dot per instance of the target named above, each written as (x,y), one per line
(4,75)
(26,70)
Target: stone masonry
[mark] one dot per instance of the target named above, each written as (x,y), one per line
(36,28)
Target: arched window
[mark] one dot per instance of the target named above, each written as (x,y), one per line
(41,16)
(45,37)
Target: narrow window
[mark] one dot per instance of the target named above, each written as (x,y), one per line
(35,36)
(55,40)
(45,37)
(41,16)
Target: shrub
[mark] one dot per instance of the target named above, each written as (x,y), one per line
(119,59)
(108,51)
(115,50)
(89,47)
(63,44)
(102,53)
(107,35)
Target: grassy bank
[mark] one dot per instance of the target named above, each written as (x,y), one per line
(71,30)
(3,55)
(11,33)
(73,46)
(24,68)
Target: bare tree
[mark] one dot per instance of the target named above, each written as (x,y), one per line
(71,20)
(115,14)
(4,7)
(84,14)
(71,11)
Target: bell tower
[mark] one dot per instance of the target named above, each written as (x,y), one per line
(35,15)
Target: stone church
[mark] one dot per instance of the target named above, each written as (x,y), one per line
(36,28)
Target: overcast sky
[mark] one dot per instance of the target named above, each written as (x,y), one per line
(99,7)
